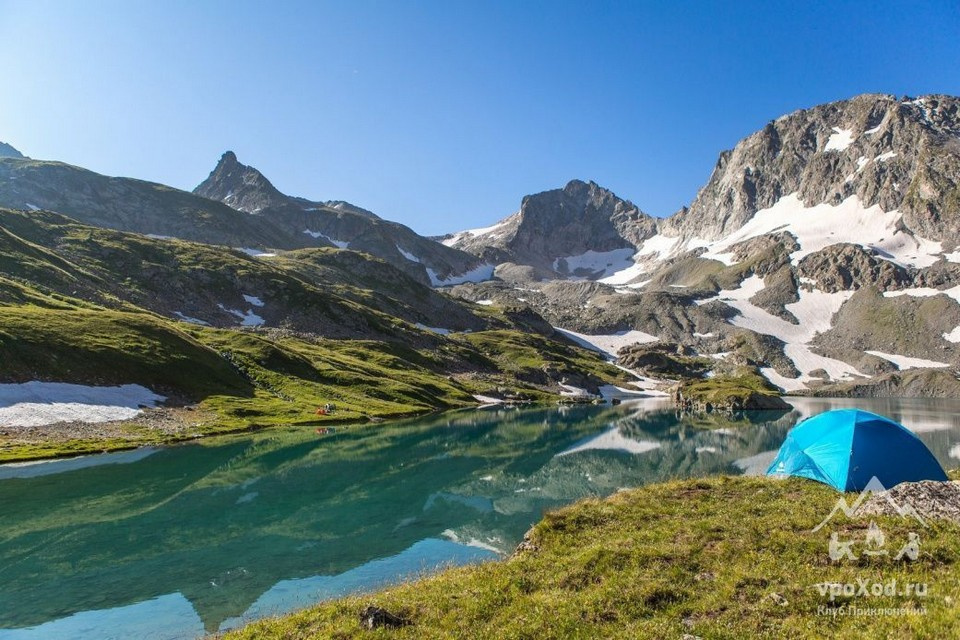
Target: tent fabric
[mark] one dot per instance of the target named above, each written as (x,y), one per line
(846,448)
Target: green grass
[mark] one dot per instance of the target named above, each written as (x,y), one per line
(729,390)
(721,557)
(245,380)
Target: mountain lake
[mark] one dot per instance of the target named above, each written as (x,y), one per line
(184,541)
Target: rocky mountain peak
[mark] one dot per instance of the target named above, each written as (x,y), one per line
(552,226)
(240,186)
(7,151)
(899,154)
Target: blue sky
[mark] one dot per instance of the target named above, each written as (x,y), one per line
(443,115)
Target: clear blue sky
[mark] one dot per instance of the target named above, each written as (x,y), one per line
(442,115)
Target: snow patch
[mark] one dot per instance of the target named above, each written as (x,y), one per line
(32,207)
(255,301)
(607,263)
(953,336)
(485,303)
(34,404)
(814,310)
(570,390)
(248,319)
(477,274)
(906,362)
(406,254)
(822,225)
(340,244)
(609,392)
(924,292)
(609,343)
(839,140)
(883,157)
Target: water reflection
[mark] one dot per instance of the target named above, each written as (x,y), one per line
(249,526)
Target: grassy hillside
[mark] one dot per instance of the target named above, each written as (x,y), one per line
(93,306)
(714,558)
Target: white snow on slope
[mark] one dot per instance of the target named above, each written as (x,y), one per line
(955,451)
(340,244)
(248,319)
(477,274)
(254,300)
(608,343)
(906,362)
(632,272)
(747,289)
(609,392)
(481,231)
(814,310)
(612,440)
(822,225)
(485,303)
(952,336)
(570,390)
(924,292)
(883,157)
(33,404)
(609,263)
(839,140)
(32,207)
(406,254)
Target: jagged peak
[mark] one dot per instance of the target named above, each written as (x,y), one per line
(8,151)
(240,186)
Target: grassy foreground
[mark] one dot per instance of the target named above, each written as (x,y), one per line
(723,557)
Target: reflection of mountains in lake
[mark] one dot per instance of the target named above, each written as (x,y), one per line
(252,519)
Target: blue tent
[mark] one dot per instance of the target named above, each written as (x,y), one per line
(845,448)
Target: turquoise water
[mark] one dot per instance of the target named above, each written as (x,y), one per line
(178,542)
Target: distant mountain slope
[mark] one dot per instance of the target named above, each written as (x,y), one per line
(582,230)
(327,292)
(335,223)
(127,204)
(264,221)
(823,250)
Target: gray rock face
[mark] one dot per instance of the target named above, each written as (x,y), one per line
(842,267)
(7,151)
(240,187)
(561,223)
(898,154)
